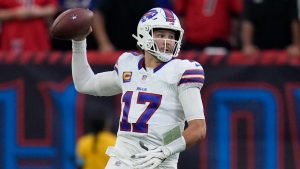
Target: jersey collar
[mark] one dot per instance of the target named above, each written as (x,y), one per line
(141,64)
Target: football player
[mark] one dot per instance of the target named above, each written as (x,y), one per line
(159,93)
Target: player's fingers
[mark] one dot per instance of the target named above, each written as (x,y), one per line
(155,163)
(139,155)
(142,160)
(143,155)
(145,164)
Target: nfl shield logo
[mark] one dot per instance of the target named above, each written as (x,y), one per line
(144,77)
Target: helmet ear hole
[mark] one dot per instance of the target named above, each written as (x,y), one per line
(141,36)
(153,47)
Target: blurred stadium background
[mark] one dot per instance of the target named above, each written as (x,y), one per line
(251,105)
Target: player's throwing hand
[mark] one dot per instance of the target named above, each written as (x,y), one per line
(82,37)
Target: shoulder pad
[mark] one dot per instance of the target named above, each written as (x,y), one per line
(127,58)
(191,73)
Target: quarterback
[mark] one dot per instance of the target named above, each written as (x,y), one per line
(159,94)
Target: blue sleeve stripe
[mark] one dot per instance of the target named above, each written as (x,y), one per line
(193,71)
(191,80)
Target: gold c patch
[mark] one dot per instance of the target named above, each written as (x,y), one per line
(127,77)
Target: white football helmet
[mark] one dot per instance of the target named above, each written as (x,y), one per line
(159,18)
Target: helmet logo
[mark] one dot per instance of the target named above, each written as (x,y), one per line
(169,16)
(150,14)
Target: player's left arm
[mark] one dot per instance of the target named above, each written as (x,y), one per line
(191,101)
(195,131)
(189,86)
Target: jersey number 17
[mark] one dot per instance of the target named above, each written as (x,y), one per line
(140,126)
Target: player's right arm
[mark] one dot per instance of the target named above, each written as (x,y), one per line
(85,81)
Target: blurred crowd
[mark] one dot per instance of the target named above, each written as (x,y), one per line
(210,25)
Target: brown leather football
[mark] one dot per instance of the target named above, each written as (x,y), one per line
(72,23)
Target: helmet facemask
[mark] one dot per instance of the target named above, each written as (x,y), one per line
(164,49)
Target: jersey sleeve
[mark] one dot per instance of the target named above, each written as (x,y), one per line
(192,75)
(109,83)
(191,80)
(85,80)
(192,104)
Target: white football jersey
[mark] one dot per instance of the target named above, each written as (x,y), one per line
(150,103)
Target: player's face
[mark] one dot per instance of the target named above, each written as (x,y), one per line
(165,40)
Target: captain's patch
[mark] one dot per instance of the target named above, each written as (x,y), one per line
(127,77)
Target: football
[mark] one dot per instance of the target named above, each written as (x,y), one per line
(72,23)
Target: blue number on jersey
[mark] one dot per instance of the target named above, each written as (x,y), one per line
(141,125)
